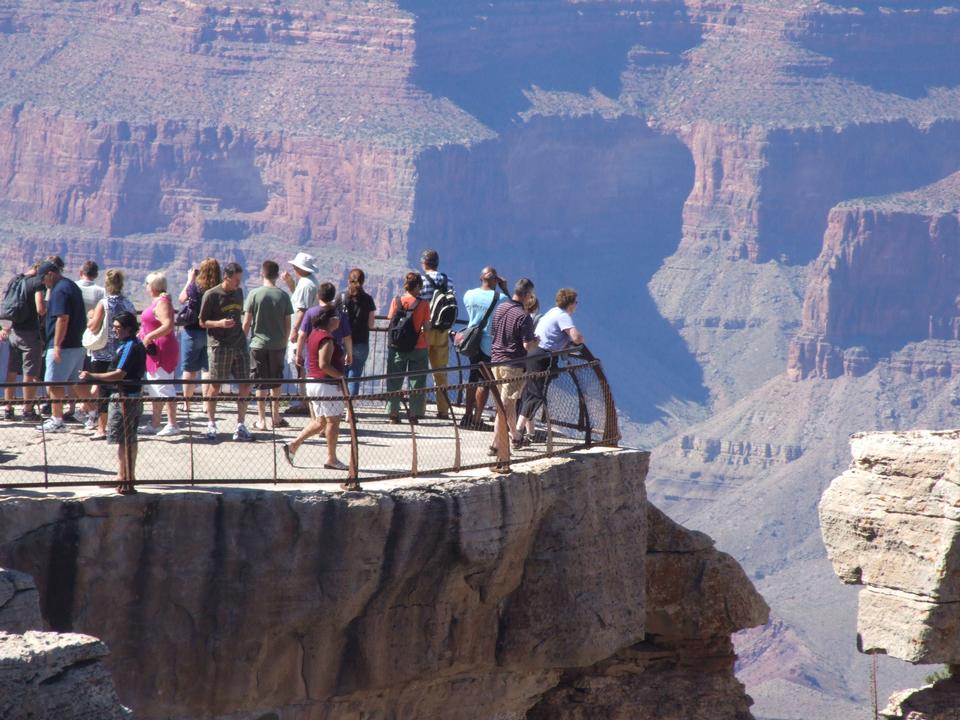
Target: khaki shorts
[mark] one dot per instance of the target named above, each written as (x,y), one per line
(513,389)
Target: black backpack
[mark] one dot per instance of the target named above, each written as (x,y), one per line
(443,305)
(402,334)
(16,305)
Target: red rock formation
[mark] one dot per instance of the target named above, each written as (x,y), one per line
(864,297)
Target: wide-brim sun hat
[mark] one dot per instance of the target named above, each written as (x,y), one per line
(305,261)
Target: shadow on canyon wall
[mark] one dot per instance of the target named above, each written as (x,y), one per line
(587,203)
(483,56)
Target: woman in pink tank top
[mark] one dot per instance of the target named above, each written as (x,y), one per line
(163,354)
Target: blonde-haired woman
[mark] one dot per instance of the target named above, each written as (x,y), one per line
(163,354)
(100,359)
(193,339)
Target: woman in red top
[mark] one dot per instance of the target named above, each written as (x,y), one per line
(414,363)
(324,374)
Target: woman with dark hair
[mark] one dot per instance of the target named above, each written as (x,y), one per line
(323,387)
(362,311)
(193,338)
(413,362)
(127,368)
(103,314)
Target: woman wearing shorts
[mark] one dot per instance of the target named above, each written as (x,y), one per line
(324,389)
(163,353)
(100,360)
(193,339)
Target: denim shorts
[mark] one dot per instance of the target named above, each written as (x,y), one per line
(193,350)
(69,367)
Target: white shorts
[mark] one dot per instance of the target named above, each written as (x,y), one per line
(160,391)
(324,407)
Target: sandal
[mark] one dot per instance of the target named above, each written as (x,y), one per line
(282,422)
(258,425)
(350,486)
(335,465)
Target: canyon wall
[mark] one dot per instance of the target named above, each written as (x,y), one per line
(556,591)
(863,300)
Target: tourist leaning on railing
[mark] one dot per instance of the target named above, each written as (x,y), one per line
(127,367)
(555,332)
(102,319)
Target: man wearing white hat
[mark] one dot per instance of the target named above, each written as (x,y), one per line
(304,296)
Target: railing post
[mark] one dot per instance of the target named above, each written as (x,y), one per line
(502,439)
(353,471)
(187,405)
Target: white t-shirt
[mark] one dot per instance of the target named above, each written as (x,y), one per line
(551,330)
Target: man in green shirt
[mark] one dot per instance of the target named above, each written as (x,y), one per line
(266,315)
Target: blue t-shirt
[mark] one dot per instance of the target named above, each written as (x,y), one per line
(66,299)
(551,329)
(476,302)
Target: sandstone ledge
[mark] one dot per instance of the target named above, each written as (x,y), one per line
(466,597)
(892,524)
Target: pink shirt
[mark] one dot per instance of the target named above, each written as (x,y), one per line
(168,347)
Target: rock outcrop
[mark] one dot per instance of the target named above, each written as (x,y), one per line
(938,701)
(47,674)
(891,524)
(555,591)
(862,300)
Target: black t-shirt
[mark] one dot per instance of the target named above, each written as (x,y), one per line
(66,299)
(358,310)
(131,356)
(33,283)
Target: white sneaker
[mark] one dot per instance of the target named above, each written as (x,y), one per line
(52,425)
(91,422)
(212,431)
(147,430)
(168,430)
(241,434)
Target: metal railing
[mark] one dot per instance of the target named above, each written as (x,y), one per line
(579,412)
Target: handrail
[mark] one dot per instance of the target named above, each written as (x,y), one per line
(579,400)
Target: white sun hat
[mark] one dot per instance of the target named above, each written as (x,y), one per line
(306,262)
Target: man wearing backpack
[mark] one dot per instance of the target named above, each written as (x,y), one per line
(65,321)
(26,347)
(439,294)
(407,338)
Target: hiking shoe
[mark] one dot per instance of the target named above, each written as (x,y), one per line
(45,409)
(212,432)
(31,415)
(241,434)
(287,453)
(52,425)
(168,430)
(147,430)
(8,413)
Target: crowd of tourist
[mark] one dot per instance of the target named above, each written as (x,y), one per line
(292,328)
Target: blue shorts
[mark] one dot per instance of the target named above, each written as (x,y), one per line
(193,350)
(69,367)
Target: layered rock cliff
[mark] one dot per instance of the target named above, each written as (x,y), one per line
(863,299)
(556,591)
